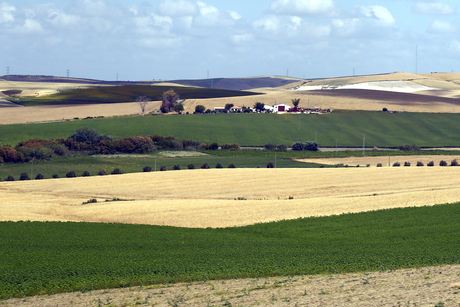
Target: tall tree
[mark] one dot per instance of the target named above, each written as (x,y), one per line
(228,106)
(295,102)
(169,100)
(143,102)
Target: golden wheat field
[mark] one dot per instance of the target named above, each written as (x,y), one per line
(227,197)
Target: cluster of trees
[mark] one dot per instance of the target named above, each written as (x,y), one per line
(258,107)
(308,146)
(89,141)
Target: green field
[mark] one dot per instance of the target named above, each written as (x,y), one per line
(341,128)
(56,257)
(124,93)
(136,163)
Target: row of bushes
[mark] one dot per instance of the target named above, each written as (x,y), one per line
(431,163)
(71,174)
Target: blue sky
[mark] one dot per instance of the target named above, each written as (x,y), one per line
(176,39)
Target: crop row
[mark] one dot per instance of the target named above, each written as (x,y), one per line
(52,257)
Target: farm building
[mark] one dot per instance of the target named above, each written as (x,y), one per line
(281,108)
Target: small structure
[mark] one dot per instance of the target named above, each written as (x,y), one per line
(281,108)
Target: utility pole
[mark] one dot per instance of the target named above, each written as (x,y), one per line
(7,73)
(68,73)
(364,142)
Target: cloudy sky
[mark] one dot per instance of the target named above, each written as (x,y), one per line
(172,39)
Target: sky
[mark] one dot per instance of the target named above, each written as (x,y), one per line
(185,39)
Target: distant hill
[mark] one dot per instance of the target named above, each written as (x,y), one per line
(234,84)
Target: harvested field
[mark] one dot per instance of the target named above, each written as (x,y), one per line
(384,160)
(428,286)
(227,197)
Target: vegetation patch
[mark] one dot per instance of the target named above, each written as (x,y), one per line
(42,258)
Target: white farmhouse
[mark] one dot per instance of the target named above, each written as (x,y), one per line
(281,108)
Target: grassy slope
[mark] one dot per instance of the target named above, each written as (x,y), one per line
(55,257)
(344,128)
(125,93)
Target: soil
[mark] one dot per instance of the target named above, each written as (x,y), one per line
(429,287)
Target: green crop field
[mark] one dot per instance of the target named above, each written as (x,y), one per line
(56,257)
(124,93)
(341,128)
(136,163)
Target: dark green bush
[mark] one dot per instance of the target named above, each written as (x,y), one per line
(55,176)
(406,163)
(443,163)
(205,166)
(86,174)
(270,165)
(102,173)
(39,176)
(176,167)
(9,178)
(71,174)
(219,165)
(431,163)
(379,164)
(163,168)
(230,146)
(191,166)
(24,176)
(147,169)
(116,171)
(270,146)
(232,165)
(454,163)
(396,164)
(419,163)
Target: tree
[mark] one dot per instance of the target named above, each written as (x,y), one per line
(178,107)
(143,102)
(71,174)
(24,176)
(88,135)
(259,107)
(228,106)
(169,100)
(295,102)
(199,109)
(39,176)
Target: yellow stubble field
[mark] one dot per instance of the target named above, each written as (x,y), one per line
(227,197)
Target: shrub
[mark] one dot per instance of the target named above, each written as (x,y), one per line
(411,147)
(230,146)
(431,163)
(219,165)
(136,144)
(191,166)
(443,163)
(210,146)
(190,144)
(9,178)
(200,109)
(270,146)
(86,174)
(205,166)
(281,147)
(147,169)
(297,146)
(102,173)
(163,168)
(176,167)
(55,176)
(24,176)
(71,174)
(270,165)
(396,164)
(454,163)
(116,171)
(232,165)
(406,163)
(59,149)
(9,154)
(88,135)
(379,164)
(419,163)
(39,176)
(311,146)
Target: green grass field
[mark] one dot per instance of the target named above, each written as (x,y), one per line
(41,258)
(124,93)
(341,128)
(134,164)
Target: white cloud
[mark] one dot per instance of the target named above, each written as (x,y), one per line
(6,12)
(439,26)
(303,7)
(379,14)
(433,8)
(177,8)
(29,26)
